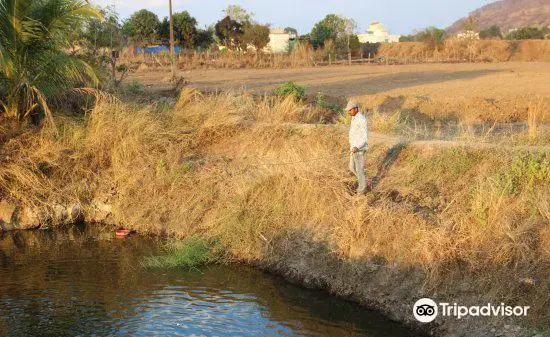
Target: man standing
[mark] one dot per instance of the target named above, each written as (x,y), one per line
(358,143)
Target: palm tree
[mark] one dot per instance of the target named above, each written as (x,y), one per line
(34,59)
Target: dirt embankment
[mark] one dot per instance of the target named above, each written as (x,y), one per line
(455,224)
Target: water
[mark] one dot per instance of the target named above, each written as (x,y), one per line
(85,283)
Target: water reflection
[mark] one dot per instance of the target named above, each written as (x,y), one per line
(83,282)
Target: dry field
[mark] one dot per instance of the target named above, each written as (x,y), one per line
(500,92)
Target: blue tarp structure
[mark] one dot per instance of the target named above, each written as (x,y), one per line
(156,49)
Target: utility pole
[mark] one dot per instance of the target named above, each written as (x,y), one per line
(172,49)
(113,54)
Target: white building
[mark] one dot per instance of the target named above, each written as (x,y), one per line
(377,33)
(279,40)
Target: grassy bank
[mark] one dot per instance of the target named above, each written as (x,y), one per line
(454,223)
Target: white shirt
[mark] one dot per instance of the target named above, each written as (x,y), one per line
(358,132)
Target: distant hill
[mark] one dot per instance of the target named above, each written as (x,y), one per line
(510,14)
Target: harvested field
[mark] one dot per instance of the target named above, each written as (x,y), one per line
(486,92)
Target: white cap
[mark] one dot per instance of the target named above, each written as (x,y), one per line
(351,105)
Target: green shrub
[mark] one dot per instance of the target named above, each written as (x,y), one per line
(526,33)
(190,253)
(321,101)
(524,172)
(492,32)
(291,88)
(135,88)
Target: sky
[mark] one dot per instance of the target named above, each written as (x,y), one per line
(399,16)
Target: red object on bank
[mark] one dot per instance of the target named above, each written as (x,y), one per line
(122,233)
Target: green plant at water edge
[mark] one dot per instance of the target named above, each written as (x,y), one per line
(34,60)
(291,88)
(189,253)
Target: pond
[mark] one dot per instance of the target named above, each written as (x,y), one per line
(82,281)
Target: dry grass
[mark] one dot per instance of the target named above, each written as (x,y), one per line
(423,103)
(453,50)
(226,168)
(456,50)
(534,114)
(301,56)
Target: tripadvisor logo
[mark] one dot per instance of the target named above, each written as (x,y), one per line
(425,310)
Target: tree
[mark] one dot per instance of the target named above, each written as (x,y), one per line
(34,62)
(347,44)
(526,33)
(107,32)
(331,27)
(433,37)
(406,38)
(164,29)
(290,30)
(143,27)
(471,23)
(305,38)
(492,32)
(229,32)
(239,14)
(349,29)
(256,35)
(99,35)
(185,28)
(204,38)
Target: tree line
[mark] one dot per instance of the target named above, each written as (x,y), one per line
(435,36)
(236,30)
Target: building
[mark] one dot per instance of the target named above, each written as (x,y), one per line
(377,33)
(280,41)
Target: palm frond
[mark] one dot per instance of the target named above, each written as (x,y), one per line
(34,63)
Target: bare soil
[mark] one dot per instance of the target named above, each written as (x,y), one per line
(468,92)
(360,80)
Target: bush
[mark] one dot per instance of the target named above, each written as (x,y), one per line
(291,88)
(135,88)
(341,45)
(334,108)
(524,173)
(492,32)
(526,33)
(433,37)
